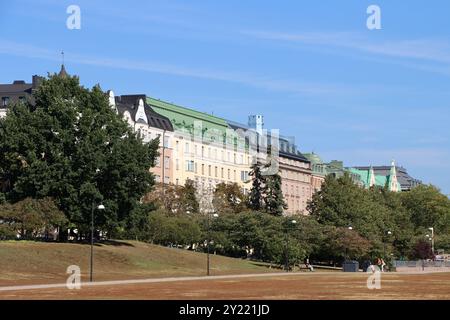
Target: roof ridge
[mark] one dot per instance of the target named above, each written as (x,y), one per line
(187,108)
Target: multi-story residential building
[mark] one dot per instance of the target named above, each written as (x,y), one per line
(295,171)
(318,171)
(19,90)
(150,125)
(321,169)
(205,150)
(293,167)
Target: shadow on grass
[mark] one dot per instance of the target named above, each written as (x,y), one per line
(266,265)
(115,243)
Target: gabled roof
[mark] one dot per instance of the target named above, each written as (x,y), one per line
(130,103)
(405,180)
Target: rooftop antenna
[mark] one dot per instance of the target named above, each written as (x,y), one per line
(62,57)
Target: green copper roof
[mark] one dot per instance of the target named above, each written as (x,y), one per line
(365,179)
(313,158)
(183,113)
(214,129)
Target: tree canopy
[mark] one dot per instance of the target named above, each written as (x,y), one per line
(72,146)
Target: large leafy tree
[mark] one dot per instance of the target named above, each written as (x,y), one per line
(72,146)
(428,207)
(174,199)
(229,198)
(31,217)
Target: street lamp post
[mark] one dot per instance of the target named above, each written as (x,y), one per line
(432,239)
(384,243)
(346,247)
(100,207)
(286,265)
(215,215)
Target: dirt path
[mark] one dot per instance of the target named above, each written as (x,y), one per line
(292,286)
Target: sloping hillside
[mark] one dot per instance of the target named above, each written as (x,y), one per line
(34,262)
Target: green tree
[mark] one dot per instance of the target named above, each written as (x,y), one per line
(273,195)
(55,146)
(255,199)
(229,198)
(189,202)
(342,243)
(32,218)
(428,207)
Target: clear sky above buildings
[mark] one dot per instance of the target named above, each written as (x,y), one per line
(312,68)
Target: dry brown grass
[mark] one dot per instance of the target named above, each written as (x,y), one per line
(36,262)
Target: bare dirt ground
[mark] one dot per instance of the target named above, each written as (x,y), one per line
(316,286)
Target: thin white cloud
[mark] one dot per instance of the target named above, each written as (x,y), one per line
(264,82)
(428,50)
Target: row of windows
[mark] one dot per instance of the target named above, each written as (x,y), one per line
(202,184)
(166,179)
(295,190)
(191,166)
(298,176)
(296,163)
(213,153)
(166,162)
(146,135)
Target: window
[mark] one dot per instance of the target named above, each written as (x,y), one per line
(166,162)
(234,174)
(195,150)
(166,179)
(242,159)
(244,175)
(186,149)
(209,152)
(177,181)
(157,161)
(166,142)
(203,169)
(177,164)
(229,157)
(234,158)
(229,174)
(190,165)
(5,101)
(215,154)
(209,170)
(222,173)
(176,146)
(222,156)
(215,172)
(158,178)
(203,152)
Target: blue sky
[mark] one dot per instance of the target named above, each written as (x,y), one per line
(312,68)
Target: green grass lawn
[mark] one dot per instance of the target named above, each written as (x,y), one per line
(26,262)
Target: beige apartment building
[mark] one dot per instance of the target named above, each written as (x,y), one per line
(150,125)
(204,149)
